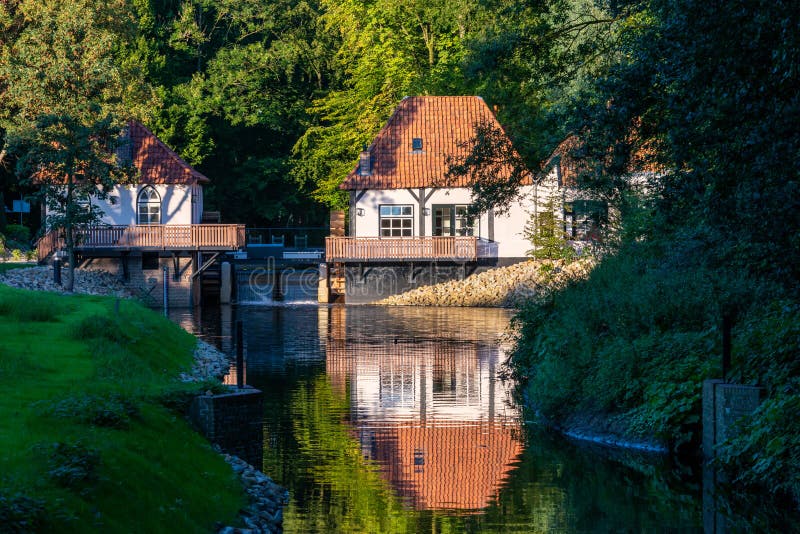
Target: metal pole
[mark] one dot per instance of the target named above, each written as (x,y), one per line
(57,271)
(166,288)
(239,354)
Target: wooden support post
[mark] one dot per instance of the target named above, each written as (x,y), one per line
(324,286)
(225,283)
(197,297)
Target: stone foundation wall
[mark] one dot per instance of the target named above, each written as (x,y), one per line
(148,285)
(507,287)
(371,282)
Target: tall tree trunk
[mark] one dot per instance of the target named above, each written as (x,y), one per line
(70,239)
(3,221)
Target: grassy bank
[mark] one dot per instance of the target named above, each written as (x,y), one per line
(631,345)
(88,442)
(7,266)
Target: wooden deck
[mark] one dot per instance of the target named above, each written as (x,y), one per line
(148,237)
(353,249)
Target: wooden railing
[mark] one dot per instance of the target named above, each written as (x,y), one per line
(47,244)
(401,248)
(149,236)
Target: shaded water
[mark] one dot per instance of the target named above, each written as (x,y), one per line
(397,420)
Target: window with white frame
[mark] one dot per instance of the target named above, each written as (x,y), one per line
(396,220)
(149,207)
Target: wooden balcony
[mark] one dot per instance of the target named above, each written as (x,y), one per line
(151,237)
(354,249)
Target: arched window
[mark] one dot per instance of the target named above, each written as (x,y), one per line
(149,205)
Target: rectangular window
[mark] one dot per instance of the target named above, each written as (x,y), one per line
(150,261)
(464,224)
(149,214)
(584,218)
(453,220)
(396,220)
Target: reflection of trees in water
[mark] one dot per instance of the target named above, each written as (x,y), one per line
(314,447)
(555,485)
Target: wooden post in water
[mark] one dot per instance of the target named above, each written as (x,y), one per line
(239,354)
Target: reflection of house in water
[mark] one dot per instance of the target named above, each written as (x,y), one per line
(430,412)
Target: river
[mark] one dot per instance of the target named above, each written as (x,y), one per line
(399,420)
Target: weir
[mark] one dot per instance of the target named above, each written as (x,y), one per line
(276,284)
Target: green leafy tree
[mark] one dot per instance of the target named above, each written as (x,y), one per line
(64,88)
(545,230)
(235,78)
(73,163)
(387,49)
(530,61)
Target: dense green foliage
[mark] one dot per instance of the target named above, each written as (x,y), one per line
(86,441)
(698,92)
(274,101)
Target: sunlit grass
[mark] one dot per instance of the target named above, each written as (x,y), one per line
(155,473)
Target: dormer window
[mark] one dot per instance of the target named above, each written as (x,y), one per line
(416,144)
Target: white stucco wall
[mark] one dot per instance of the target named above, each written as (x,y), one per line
(508,227)
(180,204)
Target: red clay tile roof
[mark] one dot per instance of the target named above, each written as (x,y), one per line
(156,162)
(442,122)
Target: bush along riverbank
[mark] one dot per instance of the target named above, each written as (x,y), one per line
(93,436)
(623,354)
(503,287)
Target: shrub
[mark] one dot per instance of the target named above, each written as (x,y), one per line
(20,513)
(100,327)
(637,338)
(37,311)
(20,234)
(73,466)
(113,411)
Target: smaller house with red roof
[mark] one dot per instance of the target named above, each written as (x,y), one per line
(168,190)
(153,226)
(407,229)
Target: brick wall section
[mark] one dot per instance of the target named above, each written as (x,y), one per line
(148,285)
(233,421)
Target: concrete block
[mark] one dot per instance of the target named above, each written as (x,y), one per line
(723,406)
(232,420)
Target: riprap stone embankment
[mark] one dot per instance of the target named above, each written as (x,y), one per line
(503,287)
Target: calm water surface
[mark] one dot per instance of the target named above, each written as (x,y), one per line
(397,420)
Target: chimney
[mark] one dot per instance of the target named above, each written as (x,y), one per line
(365,163)
(124,148)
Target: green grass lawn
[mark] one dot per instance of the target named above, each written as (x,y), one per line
(7,266)
(87,442)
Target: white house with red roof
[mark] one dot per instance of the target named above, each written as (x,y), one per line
(399,208)
(167,191)
(154,226)
(411,225)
